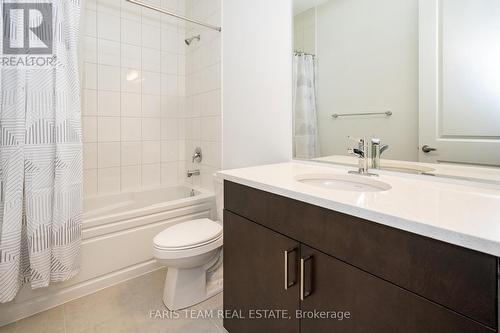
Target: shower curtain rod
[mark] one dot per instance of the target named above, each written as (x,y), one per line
(164,11)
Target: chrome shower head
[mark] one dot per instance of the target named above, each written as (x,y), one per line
(188,41)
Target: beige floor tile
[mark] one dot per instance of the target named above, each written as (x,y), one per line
(50,321)
(214,304)
(181,326)
(114,302)
(124,308)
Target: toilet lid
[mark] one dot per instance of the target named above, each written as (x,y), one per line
(188,234)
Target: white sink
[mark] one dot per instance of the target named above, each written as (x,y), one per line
(344,182)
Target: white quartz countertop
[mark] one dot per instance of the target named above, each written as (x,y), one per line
(464,214)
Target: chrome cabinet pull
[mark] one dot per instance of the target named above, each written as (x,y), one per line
(305,285)
(289,283)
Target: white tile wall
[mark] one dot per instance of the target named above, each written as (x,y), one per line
(203,92)
(133,96)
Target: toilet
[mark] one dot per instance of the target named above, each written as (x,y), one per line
(192,252)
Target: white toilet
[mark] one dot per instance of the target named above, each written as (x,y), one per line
(192,251)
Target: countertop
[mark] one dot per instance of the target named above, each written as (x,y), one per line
(460,213)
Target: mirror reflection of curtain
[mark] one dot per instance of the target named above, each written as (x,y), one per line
(305,126)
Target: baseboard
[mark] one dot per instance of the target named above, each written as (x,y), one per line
(12,312)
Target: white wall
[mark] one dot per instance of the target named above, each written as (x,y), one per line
(257,76)
(368,61)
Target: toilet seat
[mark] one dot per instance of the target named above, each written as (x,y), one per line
(188,235)
(169,254)
(187,239)
(170,249)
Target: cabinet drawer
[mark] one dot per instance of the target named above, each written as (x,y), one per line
(374,305)
(460,279)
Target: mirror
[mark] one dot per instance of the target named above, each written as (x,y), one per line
(421,76)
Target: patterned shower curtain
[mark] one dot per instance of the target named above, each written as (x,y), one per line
(40,144)
(305,122)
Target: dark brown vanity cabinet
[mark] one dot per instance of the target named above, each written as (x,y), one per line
(273,263)
(256,277)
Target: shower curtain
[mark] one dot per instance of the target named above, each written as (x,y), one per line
(305,123)
(40,148)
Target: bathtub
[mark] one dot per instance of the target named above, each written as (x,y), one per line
(116,246)
(152,205)
(119,229)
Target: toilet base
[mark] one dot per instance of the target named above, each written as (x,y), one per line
(187,287)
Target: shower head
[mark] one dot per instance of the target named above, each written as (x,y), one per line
(188,41)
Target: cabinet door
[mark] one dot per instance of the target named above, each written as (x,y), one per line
(255,260)
(374,304)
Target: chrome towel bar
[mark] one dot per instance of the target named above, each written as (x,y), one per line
(338,115)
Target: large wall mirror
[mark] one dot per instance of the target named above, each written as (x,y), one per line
(421,76)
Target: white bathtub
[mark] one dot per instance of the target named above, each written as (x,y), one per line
(118,230)
(117,243)
(165,202)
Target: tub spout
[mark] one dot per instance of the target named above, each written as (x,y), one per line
(192,173)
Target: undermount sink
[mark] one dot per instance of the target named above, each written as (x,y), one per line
(343,182)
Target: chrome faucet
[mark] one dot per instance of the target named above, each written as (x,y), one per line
(377,150)
(362,152)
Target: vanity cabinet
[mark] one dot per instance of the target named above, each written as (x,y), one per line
(256,278)
(283,254)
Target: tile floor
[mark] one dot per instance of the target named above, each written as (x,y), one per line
(125,308)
